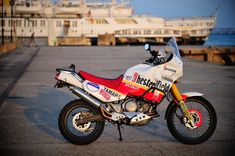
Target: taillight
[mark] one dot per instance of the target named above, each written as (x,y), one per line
(57,76)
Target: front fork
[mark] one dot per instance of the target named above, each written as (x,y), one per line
(177,95)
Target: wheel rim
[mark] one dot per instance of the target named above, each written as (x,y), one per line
(83,130)
(201,116)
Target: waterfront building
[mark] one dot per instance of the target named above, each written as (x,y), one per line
(78,22)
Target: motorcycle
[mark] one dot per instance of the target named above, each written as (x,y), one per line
(132,99)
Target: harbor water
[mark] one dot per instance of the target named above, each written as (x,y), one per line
(221,40)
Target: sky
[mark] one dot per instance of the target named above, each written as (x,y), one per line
(188,8)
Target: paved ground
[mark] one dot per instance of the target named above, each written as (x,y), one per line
(29,115)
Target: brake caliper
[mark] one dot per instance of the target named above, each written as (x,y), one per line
(188,120)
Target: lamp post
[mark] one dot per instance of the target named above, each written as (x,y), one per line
(2,25)
(12,2)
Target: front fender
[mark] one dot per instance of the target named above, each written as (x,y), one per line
(190,94)
(184,96)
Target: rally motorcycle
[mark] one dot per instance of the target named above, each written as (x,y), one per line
(132,99)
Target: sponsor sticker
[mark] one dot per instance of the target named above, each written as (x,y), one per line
(92,87)
(131,86)
(169,69)
(105,94)
(127,77)
(148,83)
(135,77)
(113,93)
(167,78)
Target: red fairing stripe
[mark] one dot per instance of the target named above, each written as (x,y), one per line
(137,91)
(123,86)
(156,97)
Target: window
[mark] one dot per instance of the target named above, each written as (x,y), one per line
(18,23)
(101,21)
(157,31)
(42,23)
(167,31)
(58,23)
(34,23)
(74,24)
(193,32)
(66,23)
(117,32)
(125,21)
(135,32)
(3,23)
(147,32)
(97,21)
(176,32)
(184,31)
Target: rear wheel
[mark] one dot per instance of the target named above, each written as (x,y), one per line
(75,133)
(204,117)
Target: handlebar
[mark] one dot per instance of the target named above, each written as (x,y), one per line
(155,54)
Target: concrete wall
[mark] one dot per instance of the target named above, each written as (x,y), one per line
(7,47)
(223,55)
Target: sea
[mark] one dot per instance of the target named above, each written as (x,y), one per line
(220,40)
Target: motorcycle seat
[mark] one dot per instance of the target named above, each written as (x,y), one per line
(110,83)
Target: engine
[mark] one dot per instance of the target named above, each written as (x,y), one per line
(131,105)
(136,111)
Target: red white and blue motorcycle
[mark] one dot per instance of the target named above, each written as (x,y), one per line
(132,99)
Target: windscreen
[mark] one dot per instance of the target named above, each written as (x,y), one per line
(173,45)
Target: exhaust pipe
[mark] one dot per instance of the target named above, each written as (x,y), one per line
(79,92)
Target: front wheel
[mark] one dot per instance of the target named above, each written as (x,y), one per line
(204,117)
(71,130)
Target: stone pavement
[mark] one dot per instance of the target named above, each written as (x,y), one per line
(29,114)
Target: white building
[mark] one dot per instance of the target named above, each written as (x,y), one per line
(89,19)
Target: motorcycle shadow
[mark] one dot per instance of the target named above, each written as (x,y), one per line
(155,131)
(43,111)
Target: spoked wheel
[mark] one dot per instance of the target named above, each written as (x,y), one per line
(79,133)
(204,117)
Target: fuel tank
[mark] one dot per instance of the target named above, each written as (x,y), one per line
(147,81)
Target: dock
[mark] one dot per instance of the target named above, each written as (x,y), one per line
(30,106)
(218,54)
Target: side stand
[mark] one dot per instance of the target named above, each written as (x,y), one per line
(120,134)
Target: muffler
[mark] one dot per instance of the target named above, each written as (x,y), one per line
(79,92)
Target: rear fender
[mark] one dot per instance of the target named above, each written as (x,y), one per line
(70,78)
(184,96)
